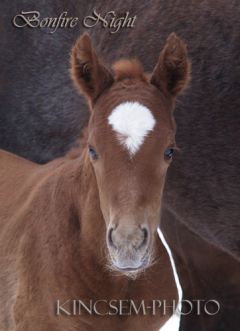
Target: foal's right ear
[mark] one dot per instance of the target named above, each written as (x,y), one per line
(88,73)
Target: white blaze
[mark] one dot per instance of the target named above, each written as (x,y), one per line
(132,122)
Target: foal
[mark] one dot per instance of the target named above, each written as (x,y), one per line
(85,228)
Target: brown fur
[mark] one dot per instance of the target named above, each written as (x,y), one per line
(54,217)
(129,69)
(172,73)
(87,70)
(52,248)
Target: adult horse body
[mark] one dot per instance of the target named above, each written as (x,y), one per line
(85,228)
(200,213)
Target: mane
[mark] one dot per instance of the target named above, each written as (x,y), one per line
(129,69)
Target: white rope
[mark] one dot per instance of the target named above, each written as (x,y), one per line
(173,323)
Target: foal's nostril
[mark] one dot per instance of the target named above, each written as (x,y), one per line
(110,240)
(145,237)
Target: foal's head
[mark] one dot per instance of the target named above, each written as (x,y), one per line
(131,142)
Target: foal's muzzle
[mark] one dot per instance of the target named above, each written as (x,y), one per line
(129,246)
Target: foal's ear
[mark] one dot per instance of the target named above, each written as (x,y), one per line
(88,73)
(172,72)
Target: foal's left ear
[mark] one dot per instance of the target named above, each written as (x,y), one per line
(88,73)
(172,72)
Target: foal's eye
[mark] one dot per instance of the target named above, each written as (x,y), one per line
(168,154)
(92,153)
